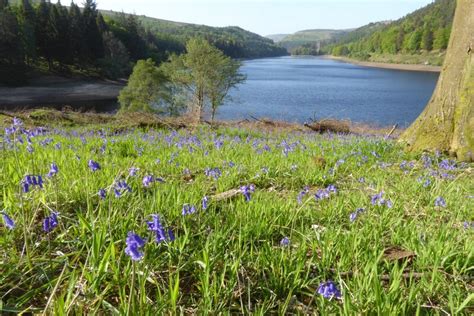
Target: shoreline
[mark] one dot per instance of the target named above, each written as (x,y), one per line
(405,67)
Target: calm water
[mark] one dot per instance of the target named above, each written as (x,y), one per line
(296,89)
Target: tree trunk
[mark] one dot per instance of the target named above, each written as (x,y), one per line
(447,123)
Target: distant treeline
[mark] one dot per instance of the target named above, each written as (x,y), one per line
(72,40)
(426,29)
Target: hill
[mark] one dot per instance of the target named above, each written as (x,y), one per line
(232,40)
(424,33)
(276,37)
(292,41)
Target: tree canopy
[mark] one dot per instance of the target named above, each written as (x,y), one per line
(205,73)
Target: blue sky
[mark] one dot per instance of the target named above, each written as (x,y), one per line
(270,16)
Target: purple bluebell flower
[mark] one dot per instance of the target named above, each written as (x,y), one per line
(285,242)
(102,194)
(121,187)
(133,171)
(339,162)
(302,194)
(427,183)
(440,202)
(321,194)
(188,209)
(94,166)
(247,190)
(218,143)
(171,235)
(134,243)
(30,149)
(204,202)
(378,199)
(9,223)
(147,181)
(17,122)
(447,165)
(53,170)
(361,179)
(156,227)
(10,130)
(213,172)
(31,180)
(353,216)
(468,225)
(50,222)
(332,188)
(329,290)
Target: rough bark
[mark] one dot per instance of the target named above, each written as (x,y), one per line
(447,123)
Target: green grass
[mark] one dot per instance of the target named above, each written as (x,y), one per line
(228,259)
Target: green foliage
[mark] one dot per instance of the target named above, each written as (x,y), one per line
(206,73)
(146,90)
(425,29)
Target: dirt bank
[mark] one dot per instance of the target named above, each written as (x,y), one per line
(408,67)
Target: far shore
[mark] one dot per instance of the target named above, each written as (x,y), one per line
(407,67)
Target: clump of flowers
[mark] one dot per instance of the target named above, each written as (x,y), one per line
(121,187)
(247,191)
(378,199)
(50,222)
(329,290)
(188,209)
(440,202)
(9,223)
(356,213)
(322,194)
(93,165)
(157,228)
(31,180)
(134,243)
(213,173)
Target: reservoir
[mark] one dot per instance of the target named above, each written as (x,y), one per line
(298,89)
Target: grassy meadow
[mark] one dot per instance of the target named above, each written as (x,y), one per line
(269,218)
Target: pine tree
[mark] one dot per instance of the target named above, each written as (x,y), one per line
(93,43)
(75,33)
(27,19)
(10,47)
(44,32)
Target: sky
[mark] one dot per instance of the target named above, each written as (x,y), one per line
(270,16)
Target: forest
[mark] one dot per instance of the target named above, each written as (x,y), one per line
(39,36)
(425,30)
